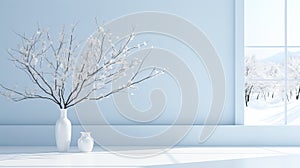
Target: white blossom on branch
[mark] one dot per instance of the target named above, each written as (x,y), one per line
(65,76)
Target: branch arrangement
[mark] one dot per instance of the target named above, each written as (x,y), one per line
(65,76)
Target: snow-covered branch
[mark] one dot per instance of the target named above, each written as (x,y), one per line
(64,75)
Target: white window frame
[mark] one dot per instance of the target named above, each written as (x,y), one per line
(240,134)
(239,61)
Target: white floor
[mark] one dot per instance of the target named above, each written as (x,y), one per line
(208,157)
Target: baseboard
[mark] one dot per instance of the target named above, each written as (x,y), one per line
(224,135)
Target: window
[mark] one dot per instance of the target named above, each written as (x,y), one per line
(272,62)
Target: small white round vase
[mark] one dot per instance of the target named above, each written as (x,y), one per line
(85,142)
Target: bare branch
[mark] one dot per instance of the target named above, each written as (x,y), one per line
(24,96)
(50,65)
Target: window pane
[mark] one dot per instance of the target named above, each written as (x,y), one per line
(265,105)
(293,63)
(293,100)
(264,63)
(293,22)
(264,22)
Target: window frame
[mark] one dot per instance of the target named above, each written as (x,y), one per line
(239,61)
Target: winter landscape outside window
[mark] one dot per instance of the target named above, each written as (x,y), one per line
(272,62)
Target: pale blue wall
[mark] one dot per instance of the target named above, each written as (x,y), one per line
(214,17)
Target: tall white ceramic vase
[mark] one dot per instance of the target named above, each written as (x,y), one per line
(63,129)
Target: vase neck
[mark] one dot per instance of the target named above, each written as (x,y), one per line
(63,113)
(85,134)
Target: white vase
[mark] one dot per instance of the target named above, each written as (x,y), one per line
(63,129)
(85,142)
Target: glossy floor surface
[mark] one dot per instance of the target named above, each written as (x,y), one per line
(212,157)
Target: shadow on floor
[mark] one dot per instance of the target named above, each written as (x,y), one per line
(289,161)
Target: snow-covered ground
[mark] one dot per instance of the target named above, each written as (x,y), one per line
(272,112)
